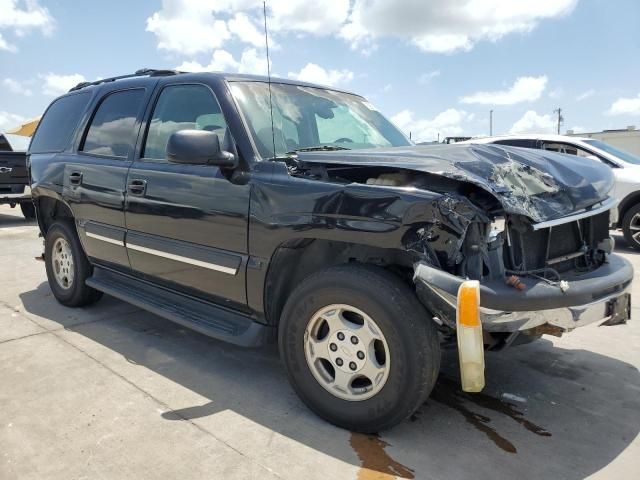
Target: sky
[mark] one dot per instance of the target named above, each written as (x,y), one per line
(435,67)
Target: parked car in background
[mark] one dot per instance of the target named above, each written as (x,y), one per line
(257,210)
(14,179)
(625,165)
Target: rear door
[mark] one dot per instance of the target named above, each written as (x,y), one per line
(187,224)
(95,175)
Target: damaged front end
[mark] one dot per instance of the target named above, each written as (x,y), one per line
(533,229)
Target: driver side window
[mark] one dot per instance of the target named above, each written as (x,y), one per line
(182,107)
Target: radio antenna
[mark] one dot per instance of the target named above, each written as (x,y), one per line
(266,43)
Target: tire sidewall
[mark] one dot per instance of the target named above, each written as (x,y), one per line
(63,230)
(404,338)
(626,223)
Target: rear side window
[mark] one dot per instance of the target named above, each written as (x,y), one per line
(58,124)
(112,131)
(524,143)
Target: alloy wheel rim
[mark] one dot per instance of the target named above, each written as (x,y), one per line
(634,228)
(347,352)
(62,262)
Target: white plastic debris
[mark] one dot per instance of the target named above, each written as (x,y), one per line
(564,285)
(515,398)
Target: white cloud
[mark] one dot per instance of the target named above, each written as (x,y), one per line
(625,106)
(443,43)
(223,61)
(316,74)
(247,31)
(20,17)
(58,84)
(387,88)
(584,95)
(446,26)
(428,76)
(190,27)
(14,86)
(524,89)
(446,124)
(10,120)
(556,93)
(531,122)
(6,46)
(318,18)
(200,26)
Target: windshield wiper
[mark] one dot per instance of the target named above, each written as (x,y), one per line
(319,148)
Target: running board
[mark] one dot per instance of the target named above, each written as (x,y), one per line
(203,317)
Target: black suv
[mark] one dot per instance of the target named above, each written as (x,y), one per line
(256,211)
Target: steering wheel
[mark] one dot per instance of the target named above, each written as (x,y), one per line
(343,140)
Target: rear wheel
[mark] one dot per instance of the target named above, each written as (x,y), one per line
(28,210)
(359,348)
(68,267)
(631,227)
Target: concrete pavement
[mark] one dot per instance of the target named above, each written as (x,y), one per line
(110,391)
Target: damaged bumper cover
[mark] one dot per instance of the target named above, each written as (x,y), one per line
(600,295)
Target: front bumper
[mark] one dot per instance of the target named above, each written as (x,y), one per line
(601,295)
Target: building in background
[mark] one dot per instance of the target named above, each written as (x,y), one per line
(625,139)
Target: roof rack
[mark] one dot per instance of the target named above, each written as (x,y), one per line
(143,72)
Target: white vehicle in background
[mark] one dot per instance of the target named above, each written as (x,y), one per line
(626,169)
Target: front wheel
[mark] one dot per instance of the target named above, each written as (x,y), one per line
(359,348)
(68,267)
(631,227)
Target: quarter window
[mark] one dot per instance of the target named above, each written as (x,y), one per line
(59,122)
(182,107)
(112,130)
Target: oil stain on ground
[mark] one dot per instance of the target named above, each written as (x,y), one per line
(376,462)
(447,392)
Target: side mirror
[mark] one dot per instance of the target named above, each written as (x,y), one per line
(198,147)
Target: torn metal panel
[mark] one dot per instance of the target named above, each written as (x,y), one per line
(538,184)
(384,217)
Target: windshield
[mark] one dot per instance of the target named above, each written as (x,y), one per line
(616,152)
(308,118)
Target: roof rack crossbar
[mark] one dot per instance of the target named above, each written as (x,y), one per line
(151,72)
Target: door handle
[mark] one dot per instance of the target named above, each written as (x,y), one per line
(137,187)
(75,178)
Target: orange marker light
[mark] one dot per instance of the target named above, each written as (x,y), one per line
(469,304)
(469,333)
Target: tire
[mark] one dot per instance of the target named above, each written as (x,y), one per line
(28,210)
(631,226)
(69,261)
(411,362)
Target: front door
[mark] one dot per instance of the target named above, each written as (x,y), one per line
(187,224)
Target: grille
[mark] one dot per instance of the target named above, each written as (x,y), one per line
(561,247)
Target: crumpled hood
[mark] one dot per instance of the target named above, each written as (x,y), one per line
(539,184)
